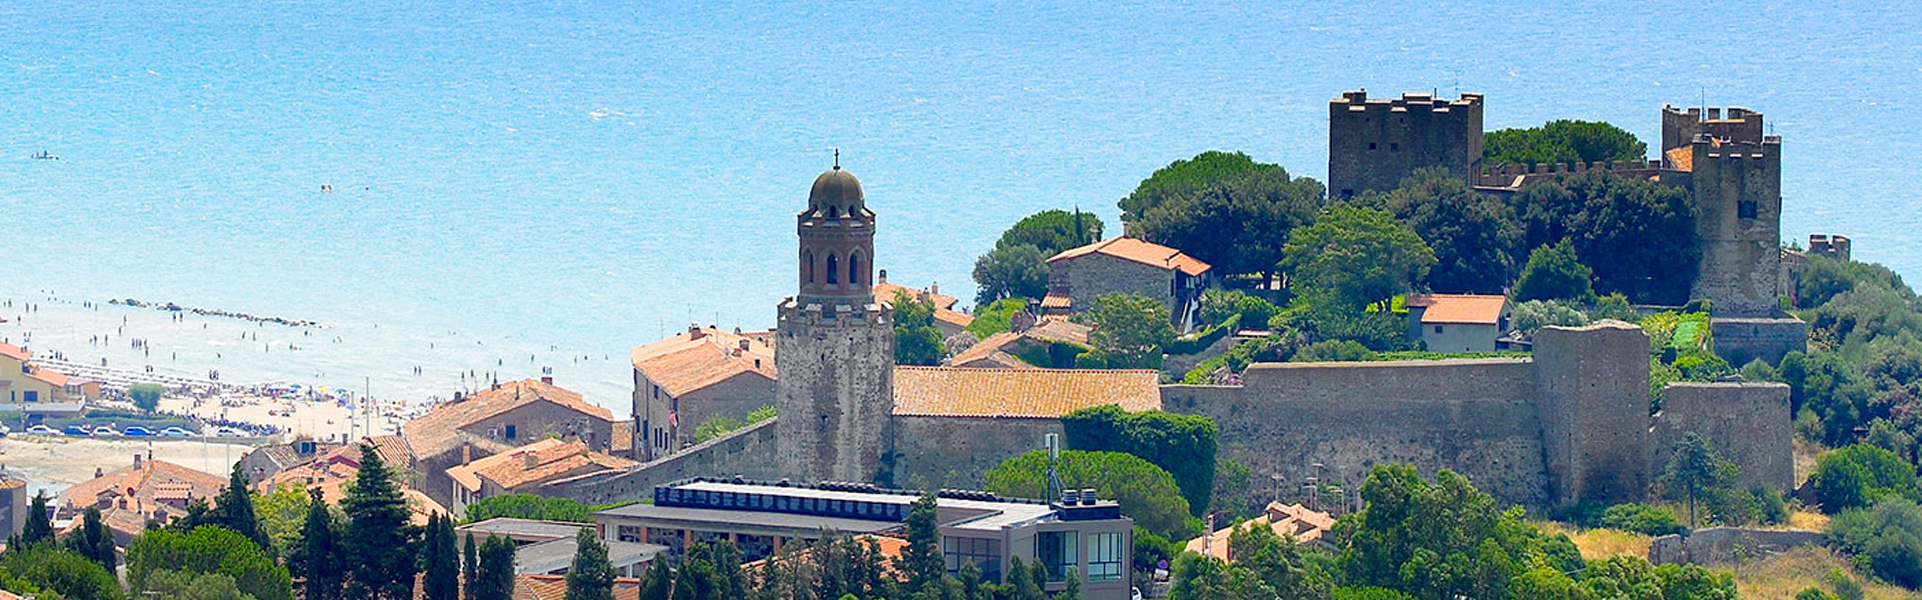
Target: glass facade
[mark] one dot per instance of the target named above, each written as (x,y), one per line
(628,533)
(1057,552)
(1105,553)
(984,553)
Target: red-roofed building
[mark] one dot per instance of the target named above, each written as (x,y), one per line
(23,382)
(1126,266)
(697,375)
(1458,322)
(496,420)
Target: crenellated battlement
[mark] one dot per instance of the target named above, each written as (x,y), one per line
(1409,102)
(1375,142)
(1516,176)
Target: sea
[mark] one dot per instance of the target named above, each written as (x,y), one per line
(459,192)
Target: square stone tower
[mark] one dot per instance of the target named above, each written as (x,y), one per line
(1733,172)
(1373,144)
(1594,411)
(834,352)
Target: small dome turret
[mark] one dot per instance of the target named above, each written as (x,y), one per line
(836,193)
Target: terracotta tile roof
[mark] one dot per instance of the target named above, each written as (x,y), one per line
(155,481)
(1147,253)
(1683,158)
(1060,331)
(439,430)
(54,378)
(15,352)
(553,459)
(884,292)
(1290,520)
(1460,308)
(953,318)
(554,587)
(1061,301)
(1020,393)
(688,362)
(392,449)
(986,349)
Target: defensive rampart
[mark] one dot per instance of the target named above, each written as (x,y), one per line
(956,452)
(1511,177)
(1721,546)
(1471,416)
(1749,421)
(747,452)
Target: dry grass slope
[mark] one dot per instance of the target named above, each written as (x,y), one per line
(1597,544)
(1784,575)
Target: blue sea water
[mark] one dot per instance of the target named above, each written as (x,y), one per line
(547,184)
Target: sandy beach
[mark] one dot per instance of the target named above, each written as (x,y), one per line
(323,419)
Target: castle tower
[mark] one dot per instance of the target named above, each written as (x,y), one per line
(1373,144)
(835,353)
(1733,172)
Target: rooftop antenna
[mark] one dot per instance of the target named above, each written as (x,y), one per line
(1054,456)
(1704,113)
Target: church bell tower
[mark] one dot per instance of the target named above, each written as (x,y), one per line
(835,354)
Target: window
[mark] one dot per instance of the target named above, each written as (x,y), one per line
(1745,209)
(807,258)
(1104,556)
(1371,145)
(984,553)
(1394,146)
(31,396)
(1438,329)
(834,268)
(510,432)
(854,268)
(1057,552)
(629,533)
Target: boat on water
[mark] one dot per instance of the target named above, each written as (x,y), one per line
(45,155)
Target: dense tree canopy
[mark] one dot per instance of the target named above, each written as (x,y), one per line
(1130,330)
(1017,266)
(209,549)
(1356,256)
(528,506)
(1562,141)
(1475,237)
(1052,231)
(1861,475)
(1442,540)
(1553,273)
(1146,492)
(916,340)
(380,537)
(61,571)
(1183,445)
(1224,209)
(1637,235)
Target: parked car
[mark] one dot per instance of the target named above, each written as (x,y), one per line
(42,430)
(78,430)
(175,432)
(229,432)
(105,430)
(136,430)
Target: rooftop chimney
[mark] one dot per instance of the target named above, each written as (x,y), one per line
(694,331)
(136,461)
(884,276)
(529,460)
(547,379)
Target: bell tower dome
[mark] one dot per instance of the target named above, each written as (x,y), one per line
(835,350)
(837,241)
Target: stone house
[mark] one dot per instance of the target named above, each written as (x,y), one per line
(1458,322)
(523,470)
(496,420)
(1126,266)
(683,381)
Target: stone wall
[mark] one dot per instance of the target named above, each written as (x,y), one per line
(836,366)
(1736,191)
(1475,417)
(734,397)
(1094,275)
(1593,393)
(1747,423)
(1740,340)
(956,452)
(748,452)
(1723,546)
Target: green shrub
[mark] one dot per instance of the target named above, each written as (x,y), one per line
(1887,537)
(1859,476)
(1639,518)
(146,395)
(1333,351)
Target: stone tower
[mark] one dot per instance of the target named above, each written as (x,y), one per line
(1373,144)
(1733,172)
(835,353)
(1593,404)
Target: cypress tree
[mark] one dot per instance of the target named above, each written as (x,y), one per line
(39,527)
(495,577)
(234,509)
(469,568)
(924,565)
(318,557)
(380,537)
(93,541)
(442,563)
(591,577)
